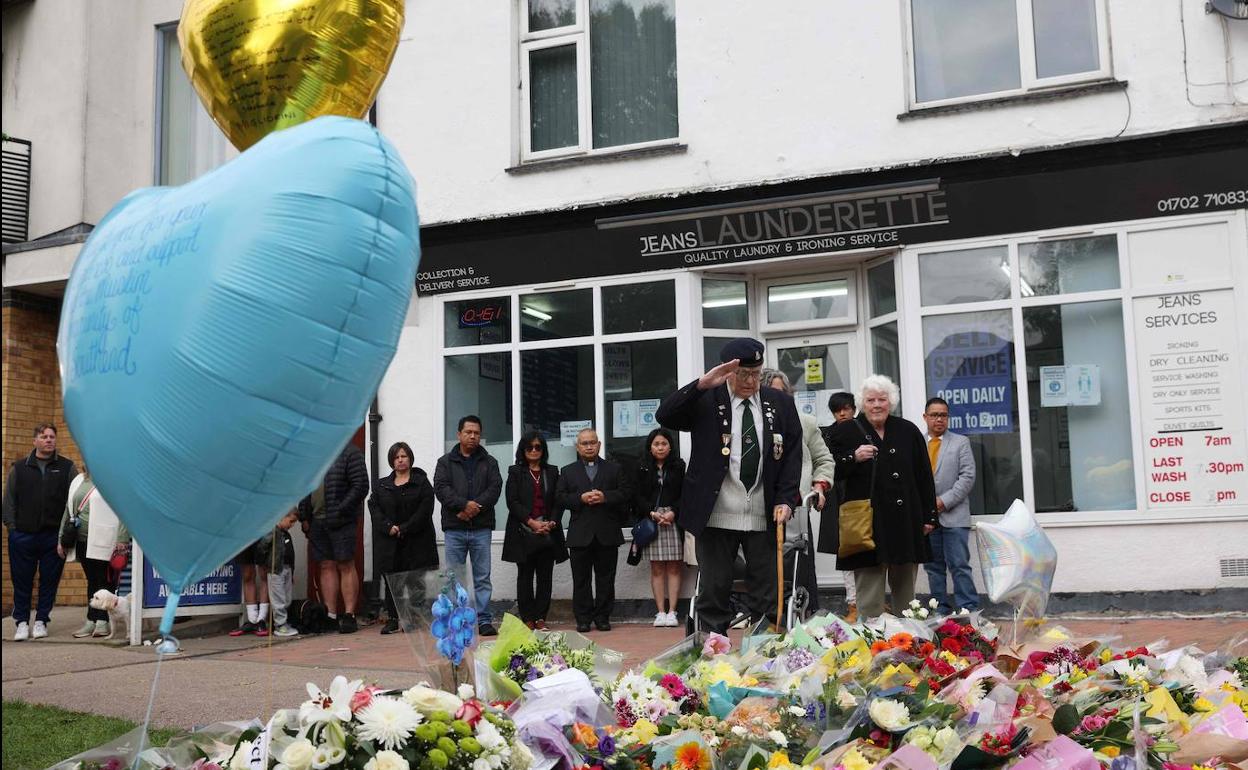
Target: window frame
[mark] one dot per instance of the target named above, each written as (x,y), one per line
(1029,82)
(851,278)
(911,331)
(680,334)
(573,34)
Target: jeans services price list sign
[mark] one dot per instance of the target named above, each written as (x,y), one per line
(1192,406)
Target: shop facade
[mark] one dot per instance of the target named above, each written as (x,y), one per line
(1079,308)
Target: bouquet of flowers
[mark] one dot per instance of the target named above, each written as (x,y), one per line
(520,655)
(356,725)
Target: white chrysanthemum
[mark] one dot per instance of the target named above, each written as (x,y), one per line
(387,760)
(797,711)
(521,757)
(388,721)
(298,755)
(778,738)
(889,714)
(488,736)
(480,763)
(466,692)
(933,603)
(1190,672)
(242,756)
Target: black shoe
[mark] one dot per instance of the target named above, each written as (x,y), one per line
(391,627)
(485,629)
(347,624)
(603,625)
(583,628)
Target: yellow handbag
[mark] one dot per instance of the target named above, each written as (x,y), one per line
(857,520)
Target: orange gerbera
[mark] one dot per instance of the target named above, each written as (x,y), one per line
(902,640)
(691,756)
(880,646)
(927,648)
(584,734)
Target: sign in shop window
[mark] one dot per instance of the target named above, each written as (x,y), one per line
(1192,408)
(973,372)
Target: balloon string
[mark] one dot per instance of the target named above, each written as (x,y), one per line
(147,720)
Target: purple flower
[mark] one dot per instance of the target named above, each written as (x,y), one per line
(1122,763)
(798,658)
(606,746)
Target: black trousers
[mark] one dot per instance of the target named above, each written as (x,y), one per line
(717,553)
(97,577)
(534,604)
(594,562)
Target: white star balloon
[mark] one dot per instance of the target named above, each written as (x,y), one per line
(1018,560)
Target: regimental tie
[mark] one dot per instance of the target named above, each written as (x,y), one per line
(933,449)
(750,451)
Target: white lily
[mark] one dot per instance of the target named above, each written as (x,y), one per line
(332,706)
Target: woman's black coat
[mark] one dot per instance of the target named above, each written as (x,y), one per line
(519,495)
(649,496)
(905,496)
(410,507)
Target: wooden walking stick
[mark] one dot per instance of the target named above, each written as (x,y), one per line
(779,573)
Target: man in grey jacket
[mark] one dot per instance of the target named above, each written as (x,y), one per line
(953,468)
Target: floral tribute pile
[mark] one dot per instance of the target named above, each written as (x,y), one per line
(911,693)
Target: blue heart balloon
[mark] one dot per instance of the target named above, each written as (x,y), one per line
(220,342)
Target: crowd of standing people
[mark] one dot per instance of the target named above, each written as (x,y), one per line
(755,462)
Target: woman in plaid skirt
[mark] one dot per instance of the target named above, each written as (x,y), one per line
(658,496)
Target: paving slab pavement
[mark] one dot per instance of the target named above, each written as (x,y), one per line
(219,678)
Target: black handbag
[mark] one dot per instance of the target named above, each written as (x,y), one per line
(644,532)
(532,544)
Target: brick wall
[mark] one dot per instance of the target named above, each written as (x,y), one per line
(30,385)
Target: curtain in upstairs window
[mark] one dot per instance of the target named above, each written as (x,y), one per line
(632,71)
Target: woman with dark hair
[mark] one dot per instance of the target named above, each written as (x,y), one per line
(534,536)
(402,511)
(659,479)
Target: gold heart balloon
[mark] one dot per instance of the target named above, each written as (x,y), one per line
(263,65)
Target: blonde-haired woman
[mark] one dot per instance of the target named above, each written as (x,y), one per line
(75,525)
(882,457)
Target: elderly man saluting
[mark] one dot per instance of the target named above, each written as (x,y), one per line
(743,476)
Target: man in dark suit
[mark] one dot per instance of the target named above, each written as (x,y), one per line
(596,492)
(743,476)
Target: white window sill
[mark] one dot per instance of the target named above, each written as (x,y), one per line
(1071,91)
(601,156)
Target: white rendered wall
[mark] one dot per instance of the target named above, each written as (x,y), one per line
(773,92)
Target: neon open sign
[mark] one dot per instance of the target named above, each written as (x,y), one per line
(480,315)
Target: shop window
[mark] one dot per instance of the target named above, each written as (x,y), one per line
(556,315)
(1080,406)
(557,395)
(480,384)
(638,307)
(968,275)
(978,48)
(636,376)
(882,289)
(969,361)
(597,74)
(189,142)
(725,305)
(485,321)
(1068,266)
(795,303)
(710,351)
(885,352)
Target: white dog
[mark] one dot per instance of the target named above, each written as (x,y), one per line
(118,608)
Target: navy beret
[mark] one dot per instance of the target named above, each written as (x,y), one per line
(749,351)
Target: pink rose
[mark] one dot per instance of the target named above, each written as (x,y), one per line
(716,644)
(470,712)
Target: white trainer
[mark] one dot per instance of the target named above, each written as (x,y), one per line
(672,622)
(39,631)
(22,633)
(660,619)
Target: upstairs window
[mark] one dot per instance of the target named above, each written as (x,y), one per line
(596,75)
(973,49)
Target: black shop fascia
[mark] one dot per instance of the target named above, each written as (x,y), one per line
(1156,176)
